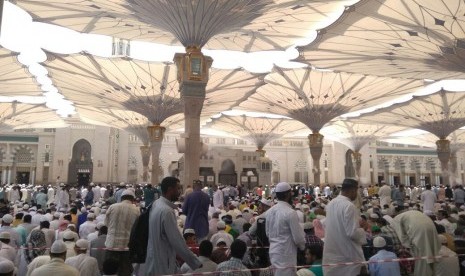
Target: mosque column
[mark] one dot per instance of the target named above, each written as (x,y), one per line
(453,167)
(9,176)
(33,176)
(357,159)
(145,152)
(316,149)
(193,70)
(443,150)
(156,135)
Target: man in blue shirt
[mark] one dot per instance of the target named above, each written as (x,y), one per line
(383,269)
(196,210)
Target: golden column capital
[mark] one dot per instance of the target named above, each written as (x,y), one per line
(156,133)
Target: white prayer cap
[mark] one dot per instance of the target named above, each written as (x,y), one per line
(374,216)
(6,266)
(221,225)
(7,218)
(298,205)
(308,225)
(305,206)
(82,244)
(128,192)
(99,225)
(83,210)
(320,217)
(58,247)
(406,204)
(5,235)
(267,202)
(379,242)
(462,207)
(91,216)
(389,219)
(68,235)
(25,207)
(282,187)
(56,215)
(384,212)
(189,231)
(442,239)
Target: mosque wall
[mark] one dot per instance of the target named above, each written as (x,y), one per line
(116,157)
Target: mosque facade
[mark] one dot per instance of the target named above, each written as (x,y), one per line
(83,153)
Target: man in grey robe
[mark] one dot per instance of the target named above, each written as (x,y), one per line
(165,240)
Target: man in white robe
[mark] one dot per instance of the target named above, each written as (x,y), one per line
(428,198)
(87,227)
(284,232)
(385,194)
(343,237)
(165,241)
(50,195)
(85,264)
(218,200)
(417,232)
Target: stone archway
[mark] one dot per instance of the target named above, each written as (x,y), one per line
(80,167)
(228,175)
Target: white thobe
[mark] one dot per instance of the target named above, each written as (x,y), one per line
(50,195)
(8,252)
(37,262)
(343,237)
(55,267)
(62,200)
(428,198)
(285,235)
(97,194)
(86,228)
(86,265)
(218,199)
(316,191)
(384,195)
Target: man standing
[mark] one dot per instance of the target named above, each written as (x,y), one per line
(344,237)
(284,232)
(428,198)
(119,219)
(165,241)
(196,210)
(217,198)
(385,194)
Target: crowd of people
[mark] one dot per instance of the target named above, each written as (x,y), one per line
(347,229)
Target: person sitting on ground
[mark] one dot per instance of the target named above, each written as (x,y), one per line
(56,266)
(7,268)
(85,264)
(238,249)
(383,268)
(447,266)
(314,257)
(191,240)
